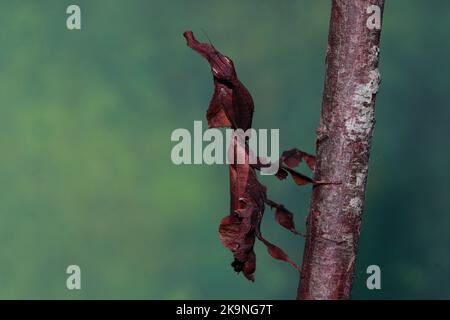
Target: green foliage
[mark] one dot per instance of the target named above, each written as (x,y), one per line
(85,124)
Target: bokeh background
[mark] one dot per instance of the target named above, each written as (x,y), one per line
(85,124)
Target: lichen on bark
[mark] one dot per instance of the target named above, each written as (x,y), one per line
(343,147)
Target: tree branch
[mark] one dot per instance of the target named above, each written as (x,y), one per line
(343,147)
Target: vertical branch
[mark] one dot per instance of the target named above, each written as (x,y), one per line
(343,147)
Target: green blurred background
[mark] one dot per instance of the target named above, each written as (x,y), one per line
(85,124)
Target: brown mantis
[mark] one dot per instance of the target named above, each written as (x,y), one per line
(232,107)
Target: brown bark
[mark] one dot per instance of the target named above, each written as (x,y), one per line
(343,147)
